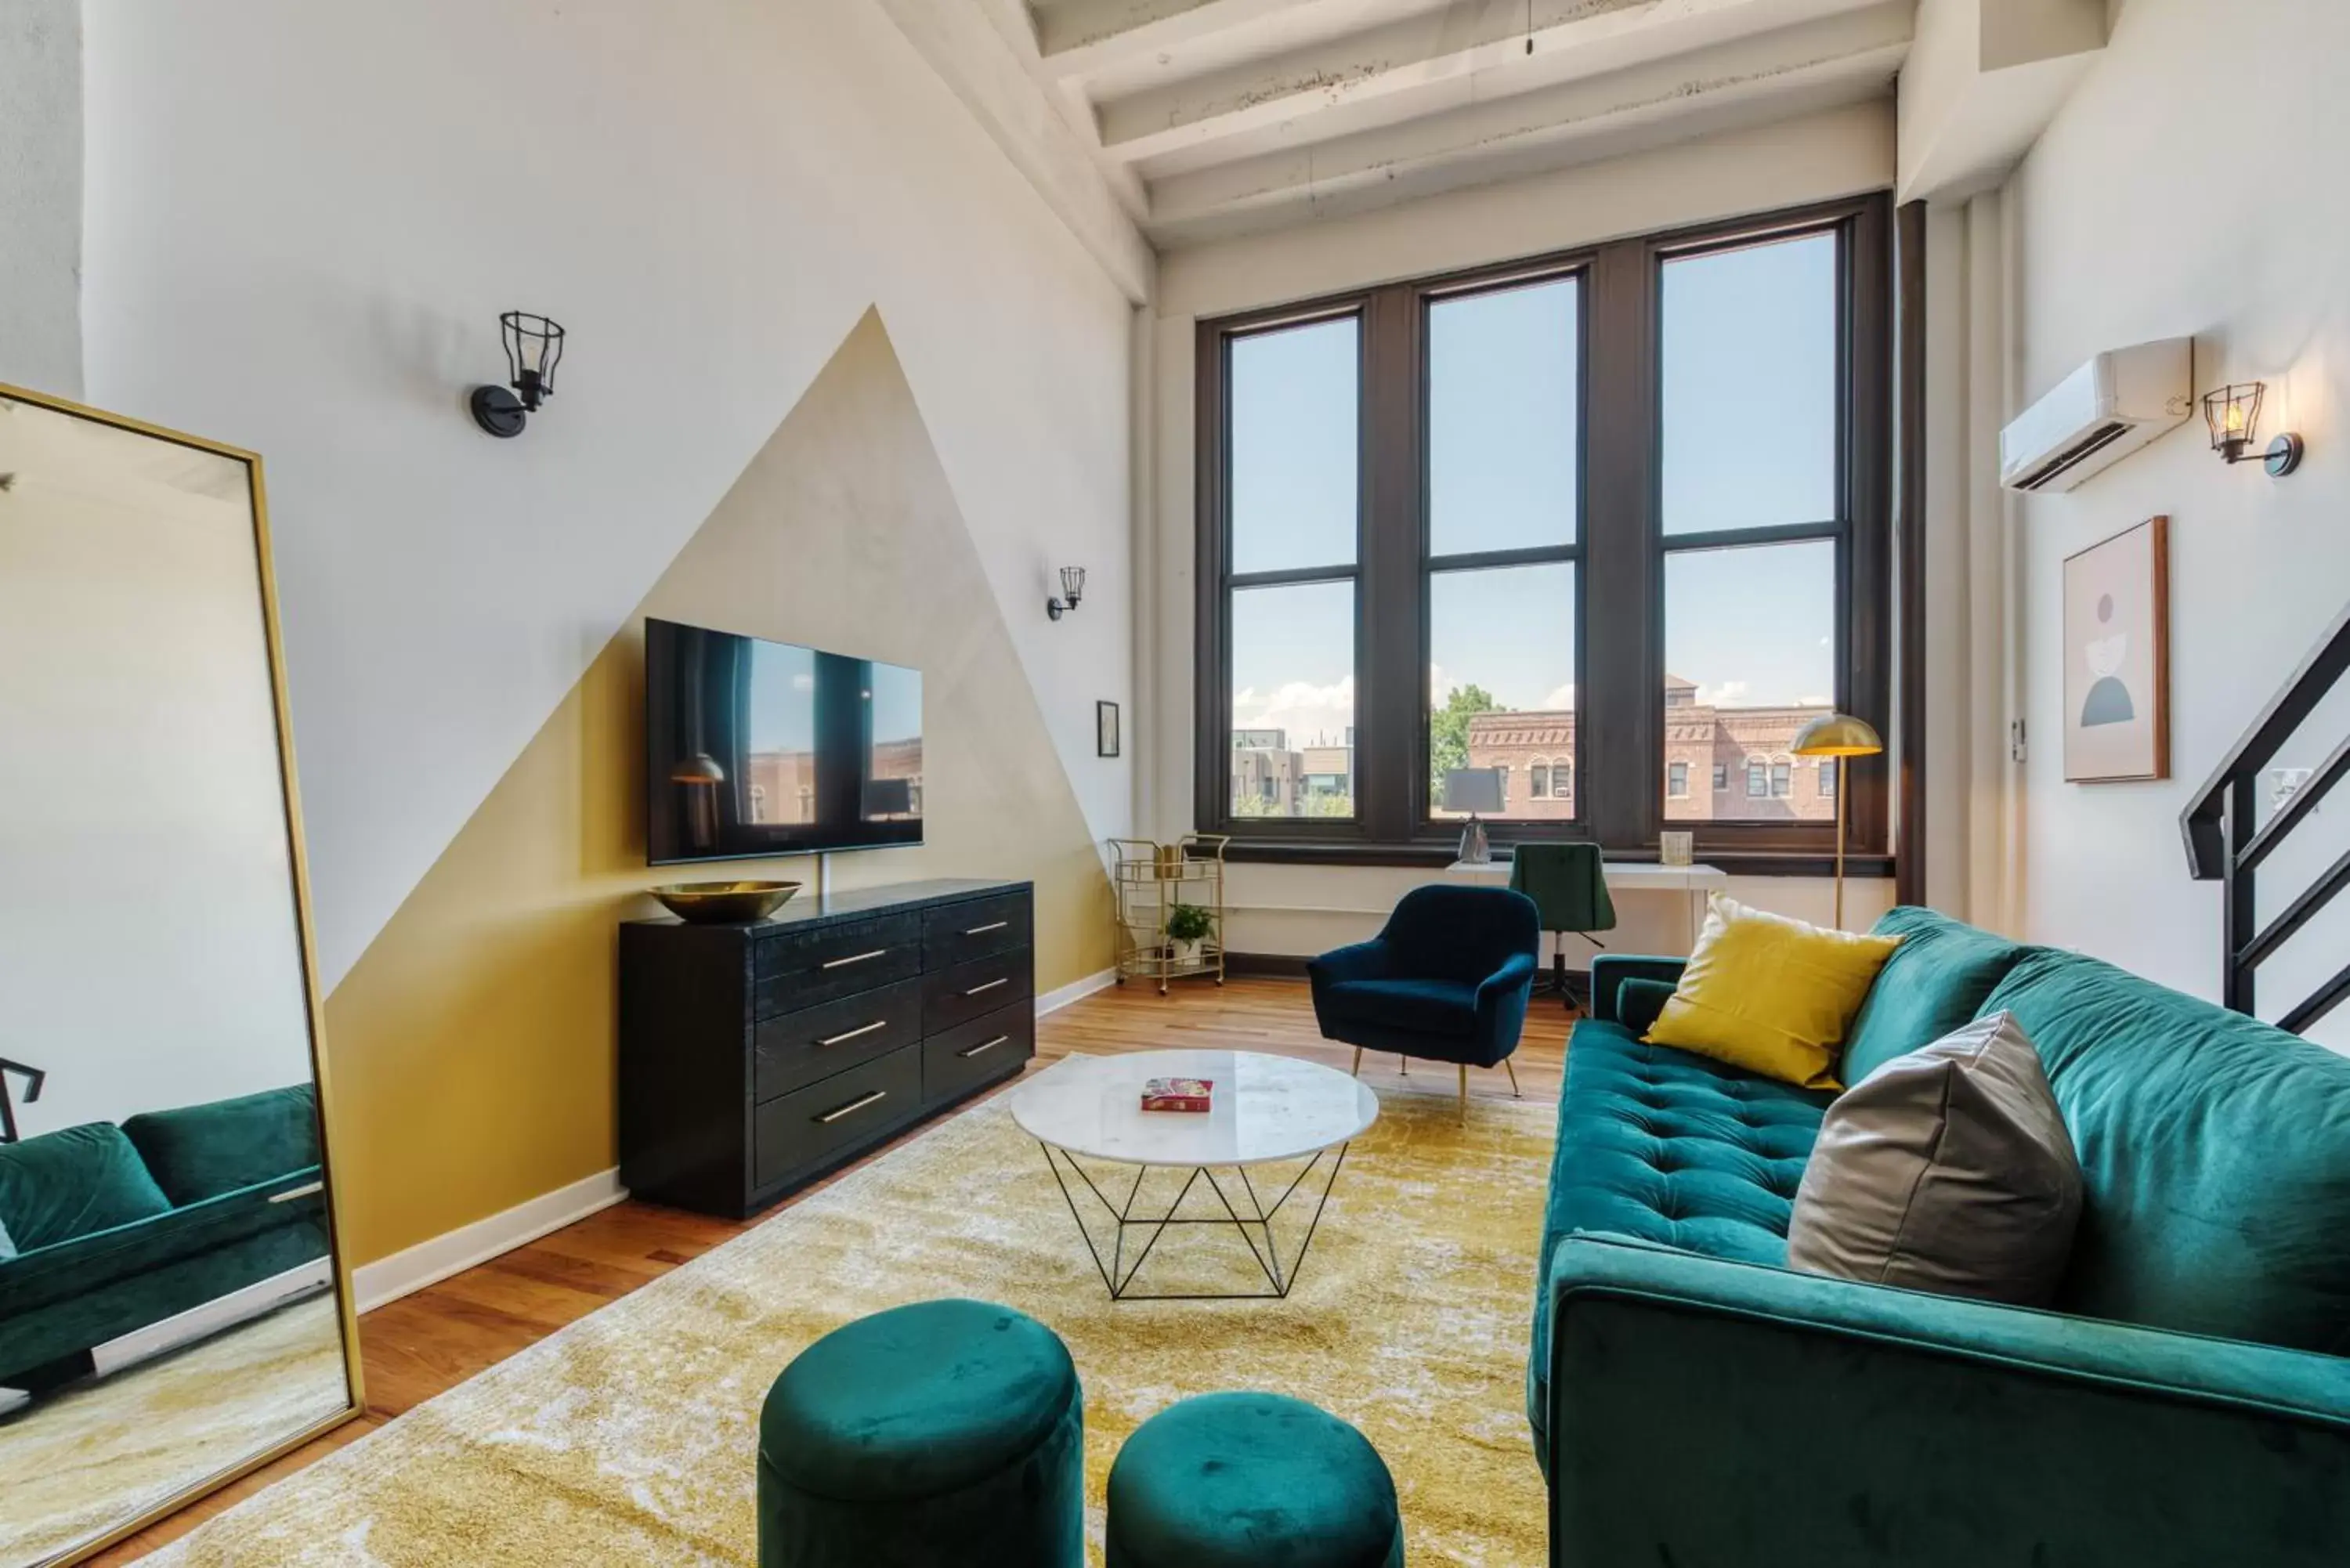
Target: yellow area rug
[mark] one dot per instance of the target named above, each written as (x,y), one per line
(630,1436)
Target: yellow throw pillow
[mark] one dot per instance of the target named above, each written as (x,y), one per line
(1770,994)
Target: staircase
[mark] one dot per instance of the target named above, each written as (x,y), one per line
(2224,845)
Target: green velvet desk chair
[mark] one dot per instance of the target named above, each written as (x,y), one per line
(1569,886)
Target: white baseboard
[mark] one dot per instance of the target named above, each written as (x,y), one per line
(1075,990)
(429,1263)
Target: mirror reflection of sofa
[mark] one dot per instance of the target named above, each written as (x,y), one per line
(123,1242)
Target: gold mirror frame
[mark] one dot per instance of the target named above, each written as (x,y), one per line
(347,1314)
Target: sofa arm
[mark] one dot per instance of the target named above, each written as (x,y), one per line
(1704,1411)
(1610,971)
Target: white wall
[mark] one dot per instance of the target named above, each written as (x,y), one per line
(302,220)
(1294,909)
(2192,185)
(40,195)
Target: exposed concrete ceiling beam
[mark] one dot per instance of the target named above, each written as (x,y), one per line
(1984,79)
(1838,58)
(1457,41)
(977,51)
(1078,37)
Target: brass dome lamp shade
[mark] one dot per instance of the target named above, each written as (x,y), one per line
(1839,736)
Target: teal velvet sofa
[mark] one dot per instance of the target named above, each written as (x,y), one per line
(1695,1402)
(116,1228)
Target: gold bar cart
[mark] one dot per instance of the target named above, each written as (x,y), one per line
(1151,880)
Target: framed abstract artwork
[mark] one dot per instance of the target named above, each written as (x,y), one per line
(2118,658)
(1106,736)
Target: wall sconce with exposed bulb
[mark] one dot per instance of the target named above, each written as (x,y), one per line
(1073,588)
(533,343)
(2234,415)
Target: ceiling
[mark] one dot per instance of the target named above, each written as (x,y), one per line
(1209,118)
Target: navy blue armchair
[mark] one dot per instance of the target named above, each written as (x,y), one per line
(1446,980)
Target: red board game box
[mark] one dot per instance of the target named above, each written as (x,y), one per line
(1177,1093)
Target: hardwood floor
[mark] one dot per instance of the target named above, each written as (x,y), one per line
(424,1344)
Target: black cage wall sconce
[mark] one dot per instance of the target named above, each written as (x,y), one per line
(533,344)
(1073,588)
(2233,413)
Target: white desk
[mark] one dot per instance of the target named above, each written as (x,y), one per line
(1692,882)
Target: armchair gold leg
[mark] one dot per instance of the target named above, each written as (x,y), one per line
(1358,1061)
(1510,1067)
(1464,1093)
(1403,1065)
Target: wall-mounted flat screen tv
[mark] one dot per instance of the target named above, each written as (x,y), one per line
(756,748)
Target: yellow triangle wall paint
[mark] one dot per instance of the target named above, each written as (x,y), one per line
(473,1045)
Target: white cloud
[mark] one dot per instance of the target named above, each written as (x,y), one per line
(1560,696)
(1814,701)
(1310,713)
(1729,694)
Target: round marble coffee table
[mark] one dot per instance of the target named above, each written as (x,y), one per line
(1266,1110)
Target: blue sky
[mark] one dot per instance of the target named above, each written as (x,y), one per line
(1749,373)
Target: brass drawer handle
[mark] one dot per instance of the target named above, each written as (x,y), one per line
(989,1045)
(990,985)
(854,957)
(291,1193)
(831,1116)
(983,930)
(838,1039)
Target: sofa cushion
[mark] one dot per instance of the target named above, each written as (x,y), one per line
(73,1182)
(195,1152)
(1663,1146)
(1948,1169)
(1936,981)
(1422,1006)
(1637,1002)
(2215,1157)
(1770,994)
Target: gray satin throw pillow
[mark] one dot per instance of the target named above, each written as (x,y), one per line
(1948,1169)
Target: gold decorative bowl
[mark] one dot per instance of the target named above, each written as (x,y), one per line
(724,903)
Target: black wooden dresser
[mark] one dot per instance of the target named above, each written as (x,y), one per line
(755,1058)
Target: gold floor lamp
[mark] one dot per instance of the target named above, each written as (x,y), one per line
(1839,736)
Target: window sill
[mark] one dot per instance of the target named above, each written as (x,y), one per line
(1738,863)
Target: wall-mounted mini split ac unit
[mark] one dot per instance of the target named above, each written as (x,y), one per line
(2099,414)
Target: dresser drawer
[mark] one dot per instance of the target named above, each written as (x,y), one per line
(978,1052)
(956,995)
(800,969)
(793,1049)
(835,1115)
(963,931)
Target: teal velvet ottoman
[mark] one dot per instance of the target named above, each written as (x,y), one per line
(1251,1480)
(943,1432)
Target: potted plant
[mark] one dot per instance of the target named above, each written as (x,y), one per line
(1187,925)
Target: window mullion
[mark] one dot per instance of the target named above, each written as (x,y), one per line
(1621,732)
(1392,609)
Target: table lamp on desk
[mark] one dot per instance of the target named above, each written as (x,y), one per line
(1473,790)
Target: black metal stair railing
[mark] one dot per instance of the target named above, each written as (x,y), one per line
(2225,843)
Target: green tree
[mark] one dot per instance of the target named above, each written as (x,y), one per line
(1448,731)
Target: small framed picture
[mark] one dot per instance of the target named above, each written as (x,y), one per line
(1105,729)
(2116,653)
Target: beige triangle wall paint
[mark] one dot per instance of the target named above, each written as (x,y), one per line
(472,1045)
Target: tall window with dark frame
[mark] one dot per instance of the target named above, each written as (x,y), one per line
(1296,451)
(1406,496)
(1504,530)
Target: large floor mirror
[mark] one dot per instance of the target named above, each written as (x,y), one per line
(171,1312)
